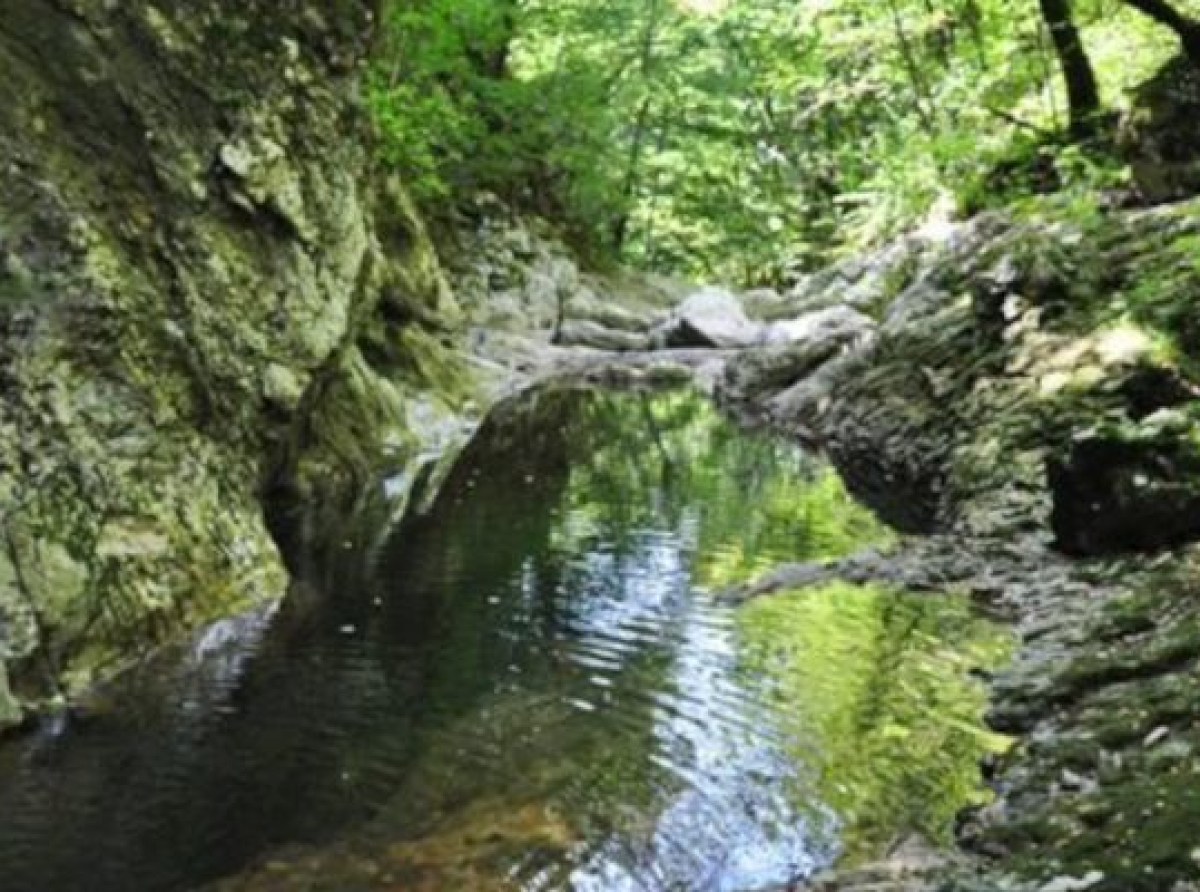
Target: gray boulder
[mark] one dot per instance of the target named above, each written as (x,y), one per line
(793,351)
(712,317)
(584,333)
(840,324)
(765,371)
(767,304)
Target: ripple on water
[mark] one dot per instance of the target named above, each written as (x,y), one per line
(531,688)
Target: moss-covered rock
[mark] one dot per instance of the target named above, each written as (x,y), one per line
(1035,379)
(201,291)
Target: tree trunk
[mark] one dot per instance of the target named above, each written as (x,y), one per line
(921,93)
(632,175)
(1083,95)
(1186,27)
(646,64)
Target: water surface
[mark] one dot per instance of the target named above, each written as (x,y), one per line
(533,688)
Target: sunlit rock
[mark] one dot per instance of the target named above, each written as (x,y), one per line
(712,317)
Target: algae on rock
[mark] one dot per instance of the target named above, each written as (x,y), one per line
(189,264)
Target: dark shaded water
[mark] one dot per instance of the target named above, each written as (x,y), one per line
(532,688)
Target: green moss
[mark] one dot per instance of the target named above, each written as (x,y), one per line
(167,312)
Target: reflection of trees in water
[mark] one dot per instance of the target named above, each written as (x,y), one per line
(490,575)
(753,498)
(879,686)
(566,497)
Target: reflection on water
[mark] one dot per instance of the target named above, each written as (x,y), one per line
(531,688)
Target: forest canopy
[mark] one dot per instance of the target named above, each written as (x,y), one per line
(708,137)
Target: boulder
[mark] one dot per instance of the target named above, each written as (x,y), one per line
(840,324)
(767,370)
(793,350)
(767,304)
(712,317)
(583,333)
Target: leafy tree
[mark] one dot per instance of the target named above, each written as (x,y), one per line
(1185,26)
(1083,94)
(708,137)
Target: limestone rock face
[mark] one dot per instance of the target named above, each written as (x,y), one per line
(191,269)
(509,277)
(514,274)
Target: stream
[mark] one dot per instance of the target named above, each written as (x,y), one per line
(531,686)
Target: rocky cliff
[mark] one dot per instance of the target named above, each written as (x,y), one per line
(204,294)
(1027,388)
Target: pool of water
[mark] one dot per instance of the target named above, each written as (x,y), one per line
(532,687)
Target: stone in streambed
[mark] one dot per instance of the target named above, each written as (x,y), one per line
(795,349)
(712,317)
(601,337)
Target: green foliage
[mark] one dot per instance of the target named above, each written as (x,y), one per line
(708,138)
(428,95)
